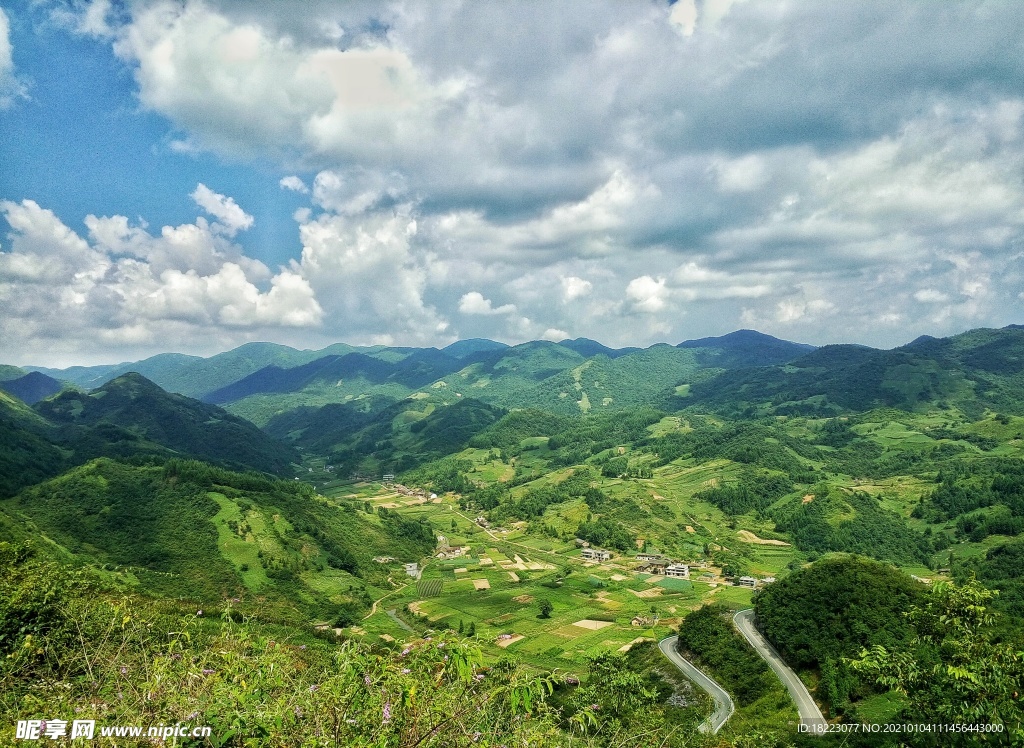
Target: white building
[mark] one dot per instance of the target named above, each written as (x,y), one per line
(679,571)
(747,582)
(595,554)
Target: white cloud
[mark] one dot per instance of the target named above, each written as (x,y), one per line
(11,88)
(554,335)
(294,184)
(574,288)
(474,303)
(127,287)
(930,296)
(356,190)
(231,217)
(647,294)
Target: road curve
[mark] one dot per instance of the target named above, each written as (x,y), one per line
(723,703)
(811,718)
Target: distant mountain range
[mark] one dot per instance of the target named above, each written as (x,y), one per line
(126,417)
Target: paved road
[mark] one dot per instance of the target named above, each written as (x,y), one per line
(810,715)
(723,704)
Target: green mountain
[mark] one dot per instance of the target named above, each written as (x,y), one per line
(8,372)
(391,437)
(470,346)
(27,456)
(844,378)
(187,529)
(745,348)
(131,410)
(32,387)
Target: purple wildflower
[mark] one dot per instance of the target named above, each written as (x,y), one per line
(406,671)
(124,671)
(406,651)
(595,707)
(440,645)
(478,676)
(192,716)
(387,712)
(199,613)
(366,679)
(208,671)
(313,688)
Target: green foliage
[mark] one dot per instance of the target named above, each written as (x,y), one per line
(607,533)
(850,522)
(1002,570)
(832,609)
(953,670)
(707,637)
(755,492)
(985,497)
(131,415)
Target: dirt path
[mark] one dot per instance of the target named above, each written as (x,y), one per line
(373,608)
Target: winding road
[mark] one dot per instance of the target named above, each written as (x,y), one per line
(810,715)
(723,703)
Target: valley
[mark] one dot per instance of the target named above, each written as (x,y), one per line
(560,509)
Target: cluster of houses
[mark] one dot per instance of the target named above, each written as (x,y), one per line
(595,554)
(655,563)
(445,551)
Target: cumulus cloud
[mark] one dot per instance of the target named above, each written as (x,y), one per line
(125,287)
(294,184)
(232,218)
(723,163)
(554,335)
(474,303)
(647,294)
(574,288)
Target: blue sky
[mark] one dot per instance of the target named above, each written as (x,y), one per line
(191,176)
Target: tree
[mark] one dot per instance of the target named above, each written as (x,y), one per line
(545,608)
(954,671)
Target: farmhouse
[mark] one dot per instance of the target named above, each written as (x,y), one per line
(747,582)
(581,543)
(650,557)
(412,569)
(384,559)
(596,554)
(680,571)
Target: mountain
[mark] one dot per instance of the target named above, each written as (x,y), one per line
(195,376)
(32,387)
(589,348)
(976,370)
(186,529)
(388,437)
(133,408)
(27,456)
(353,371)
(464,348)
(745,348)
(8,372)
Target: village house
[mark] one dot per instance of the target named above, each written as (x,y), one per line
(747,582)
(412,569)
(384,559)
(679,571)
(596,554)
(581,543)
(649,557)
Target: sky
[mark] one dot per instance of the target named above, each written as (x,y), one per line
(190,176)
